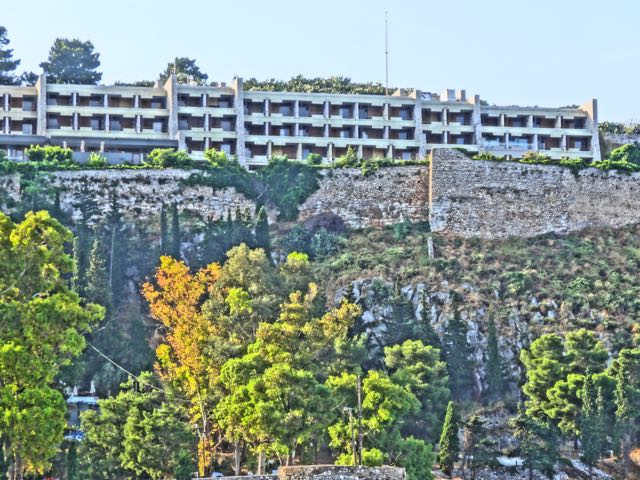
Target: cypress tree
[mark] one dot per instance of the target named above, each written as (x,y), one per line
(457,355)
(164,230)
(495,367)
(174,249)
(117,250)
(424,330)
(263,239)
(449,446)
(97,289)
(72,462)
(591,436)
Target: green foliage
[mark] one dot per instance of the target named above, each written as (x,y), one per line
(287,185)
(488,156)
(314,159)
(43,322)
(218,159)
(138,432)
(186,72)
(538,443)
(478,449)
(49,154)
(496,382)
(324,243)
(7,63)
(618,128)
(449,446)
(315,85)
(457,354)
(96,160)
(262,235)
(168,158)
(72,61)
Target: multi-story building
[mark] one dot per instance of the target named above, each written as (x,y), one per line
(127,122)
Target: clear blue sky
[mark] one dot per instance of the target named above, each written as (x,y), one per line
(528,52)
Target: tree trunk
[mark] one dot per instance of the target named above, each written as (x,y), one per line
(238,454)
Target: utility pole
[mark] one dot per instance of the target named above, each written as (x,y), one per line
(359,386)
(386,52)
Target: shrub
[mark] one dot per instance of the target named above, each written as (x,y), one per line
(168,158)
(627,153)
(218,159)
(324,243)
(96,160)
(488,156)
(536,158)
(574,163)
(314,159)
(298,239)
(49,154)
(349,159)
(401,229)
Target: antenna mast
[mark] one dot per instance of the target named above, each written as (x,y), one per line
(386,52)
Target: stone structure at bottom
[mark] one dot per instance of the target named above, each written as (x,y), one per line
(331,472)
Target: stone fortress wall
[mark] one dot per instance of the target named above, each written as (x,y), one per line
(456,194)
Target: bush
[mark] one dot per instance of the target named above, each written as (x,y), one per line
(96,160)
(324,244)
(219,159)
(298,239)
(49,154)
(488,156)
(627,153)
(314,159)
(401,230)
(168,158)
(536,158)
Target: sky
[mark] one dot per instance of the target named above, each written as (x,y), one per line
(524,52)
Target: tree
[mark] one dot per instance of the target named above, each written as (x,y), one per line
(262,230)
(495,368)
(419,369)
(186,72)
(627,401)
(423,329)
(478,450)
(7,63)
(168,158)
(538,443)
(138,433)
(458,358)
(72,61)
(97,278)
(118,246)
(43,322)
(592,431)
(449,445)
(176,240)
(164,231)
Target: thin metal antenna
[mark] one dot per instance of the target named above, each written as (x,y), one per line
(386,52)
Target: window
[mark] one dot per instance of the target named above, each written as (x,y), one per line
(157,102)
(405,114)
(285,132)
(227,125)
(345,112)
(406,155)
(303,132)
(303,110)
(27,129)
(460,140)
(96,123)
(285,109)
(158,126)
(345,133)
(96,101)
(403,135)
(305,153)
(364,134)
(460,118)
(115,124)
(578,144)
(363,113)
(226,148)
(183,124)
(52,123)
(28,105)
(224,104)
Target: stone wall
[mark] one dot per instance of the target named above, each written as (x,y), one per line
(381,198)
(335,472)
(501,199)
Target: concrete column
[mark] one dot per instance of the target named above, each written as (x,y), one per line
(267,111)
(207,143)
(445,116)
(171,87)
(360,151)
(563,142)
(296,108)
(207,120)
(267,129)
(136,101)
(356,111)
(385,111)
(204,100)
(501,121)
(5,102)
(269,149)
(238,104)
(535,142)
(330,152)
(299,152)
(74,99)
(105,102)
(390,151)
(76,121)
(296,129)
(138,123)
(385,134)
(558,121)
(82,146)
(182,144)
(356,131)
(107,125)
(326,109)
(506,140)
(476,120)
(445,138)
(591,108)
(41,109)
(6,126)
(418,132)
(326,130)
(102,146)
(530,121)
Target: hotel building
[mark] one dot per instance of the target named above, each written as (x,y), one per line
(126,122)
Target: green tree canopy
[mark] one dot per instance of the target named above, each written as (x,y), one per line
(186,71)
(41,331)
(8,64)
(72,61)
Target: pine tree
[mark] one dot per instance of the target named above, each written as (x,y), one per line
(627,399)
(591,434)
(7,64)
(457,355)
(72,462)
(495,367)
(174,249)
(538,443)
(262,230)
(117,251)
(97,283)
(449,443)
(164,230)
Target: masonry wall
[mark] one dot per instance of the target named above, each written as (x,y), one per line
(333,472)
(501,199)
(381,198)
